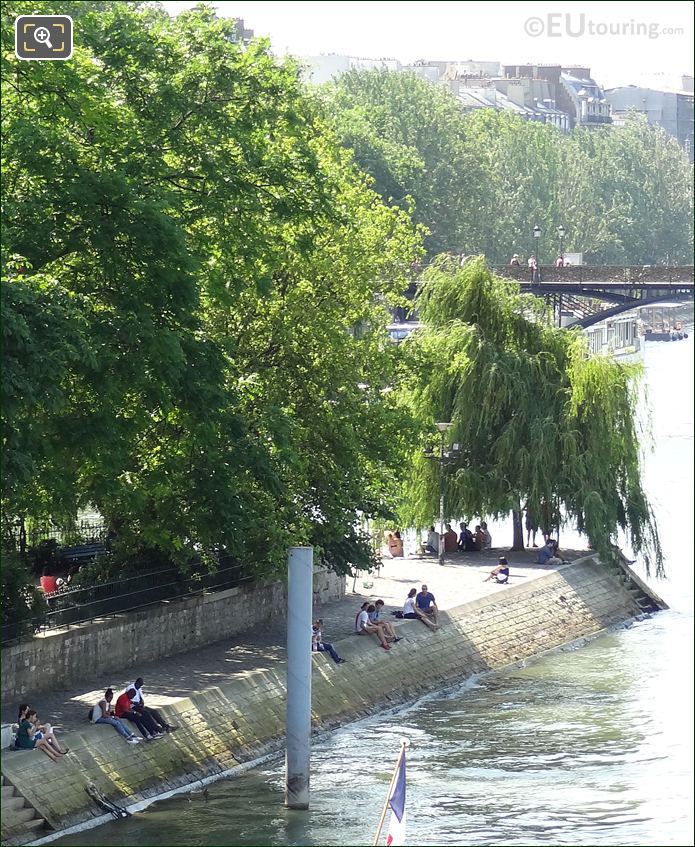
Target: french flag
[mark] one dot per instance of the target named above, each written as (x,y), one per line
(396,836)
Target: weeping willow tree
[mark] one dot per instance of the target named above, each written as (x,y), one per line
(538,420)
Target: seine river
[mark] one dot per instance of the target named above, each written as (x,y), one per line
(588,747)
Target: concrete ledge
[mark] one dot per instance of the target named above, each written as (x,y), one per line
(66,656)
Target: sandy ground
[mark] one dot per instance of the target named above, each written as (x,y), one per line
(459,580)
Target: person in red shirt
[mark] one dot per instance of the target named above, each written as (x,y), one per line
(124,709)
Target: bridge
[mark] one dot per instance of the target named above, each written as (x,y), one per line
(595,292)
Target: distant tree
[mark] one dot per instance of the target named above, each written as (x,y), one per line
(538,419)
(409,135)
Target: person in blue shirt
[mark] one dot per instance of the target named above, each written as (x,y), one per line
(427,606)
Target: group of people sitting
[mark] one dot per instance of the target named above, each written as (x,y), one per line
(368,621)
(33,735)
(421,606)
(130,706)
(465,541)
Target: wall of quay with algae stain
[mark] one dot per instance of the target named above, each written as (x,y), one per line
(65,657)
(225,726)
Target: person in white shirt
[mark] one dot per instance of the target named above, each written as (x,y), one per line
(138,705)
(318,645)
(411,611)
(374,613)
(365,627)
(432,543)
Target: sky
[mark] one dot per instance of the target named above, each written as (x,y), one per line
(623,43)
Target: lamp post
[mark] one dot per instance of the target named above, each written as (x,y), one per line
(442,426)
(561,237)
(537,250)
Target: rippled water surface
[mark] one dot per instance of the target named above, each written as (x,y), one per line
(592,746)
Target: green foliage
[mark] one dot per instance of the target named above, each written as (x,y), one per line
(479,182)
(538,419)
(21,600)
(195,251)
(410,136)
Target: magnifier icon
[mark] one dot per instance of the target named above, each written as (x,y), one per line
(43,36)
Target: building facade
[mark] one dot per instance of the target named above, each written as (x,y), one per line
(672,110)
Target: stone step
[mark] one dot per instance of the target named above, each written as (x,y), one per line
(23,816)
(7,791)
(10,803)
(36,823)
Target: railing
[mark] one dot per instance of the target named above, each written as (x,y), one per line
(601,274)
(79,605)
(82,532)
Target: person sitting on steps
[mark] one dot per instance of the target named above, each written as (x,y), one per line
(318,645)
(426,605)
(374,613)
(364,627)
(33,735)
(103,713)
(146,725)
(139,706)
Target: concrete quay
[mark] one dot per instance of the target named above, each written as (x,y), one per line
(229,698)
(459,580)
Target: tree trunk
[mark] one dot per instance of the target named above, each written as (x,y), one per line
(518,543)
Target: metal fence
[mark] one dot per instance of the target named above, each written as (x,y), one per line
(24,538)
(77,605)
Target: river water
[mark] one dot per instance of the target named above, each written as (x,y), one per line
(591,746)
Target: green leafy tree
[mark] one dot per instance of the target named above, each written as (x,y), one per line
(538,419)
(225,264)
(409,135)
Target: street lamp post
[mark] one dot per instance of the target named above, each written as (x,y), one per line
(442,426)
(537,240)
(561,236)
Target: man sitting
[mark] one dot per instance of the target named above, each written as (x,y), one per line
(432,543)
(450,540)
(427,606)
(138,705)
(466,542)
(124,709)
(365,627)
(318,645)
(549,554)
(501,573)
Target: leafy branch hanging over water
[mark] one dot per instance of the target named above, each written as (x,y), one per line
(538,419)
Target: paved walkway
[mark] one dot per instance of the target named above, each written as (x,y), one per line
(458,581)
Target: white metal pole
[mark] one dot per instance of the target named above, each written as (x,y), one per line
(300,566)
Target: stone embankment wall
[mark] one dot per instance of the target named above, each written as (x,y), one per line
(61,658)
(225,726)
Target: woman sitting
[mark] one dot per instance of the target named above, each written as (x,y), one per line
(501,573)
(395,544)
(33,735)
(411,611)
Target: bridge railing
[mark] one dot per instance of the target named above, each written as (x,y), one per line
(578,274)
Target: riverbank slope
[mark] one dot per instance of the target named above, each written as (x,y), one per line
(237,721)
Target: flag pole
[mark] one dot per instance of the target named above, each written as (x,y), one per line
(390,791)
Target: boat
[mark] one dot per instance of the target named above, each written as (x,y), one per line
(618,337)
(660,322)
